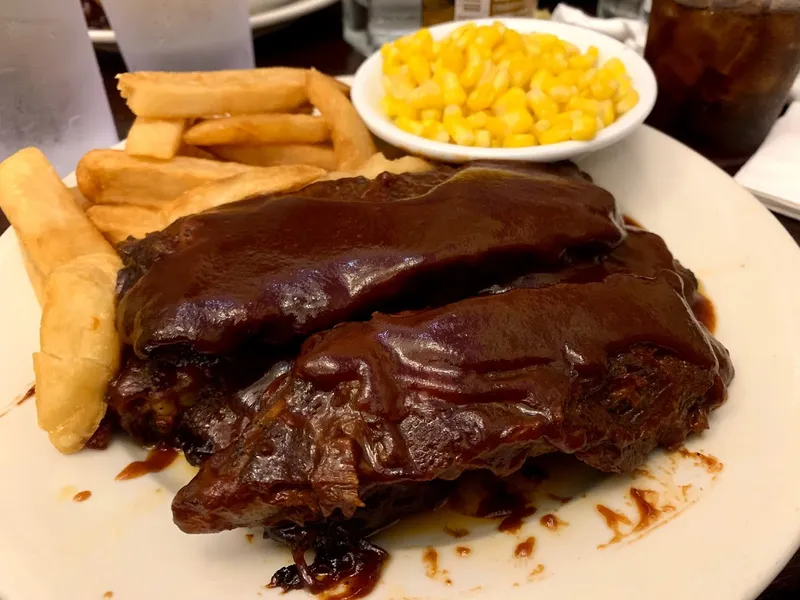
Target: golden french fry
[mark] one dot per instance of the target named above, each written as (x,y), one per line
(156,138)
(79,198)
(275,128)
(270,180)
(114,177)
(34,276)
(167,95)
(79,346)
(120,221)
(352,141)
(51,227)
(195,152)
(378,164)
(278,154)
(80,349)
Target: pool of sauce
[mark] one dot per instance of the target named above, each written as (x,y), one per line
(157,460)
(613,520)
(703,310)
(82,496)
(525,549)
(552,522)
(648,513)
(711,463)
(463,551)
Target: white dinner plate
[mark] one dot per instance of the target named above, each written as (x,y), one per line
(273,13)
(723,538)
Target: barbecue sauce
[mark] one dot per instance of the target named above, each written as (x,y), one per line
(525,549)
(29,394)
(82,496)
(157,460)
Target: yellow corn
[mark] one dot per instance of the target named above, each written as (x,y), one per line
(584,128)
(434,130)
(542,105)
(452,91)
(427,95)
(481,97)
(430,114)
(478,120)
(420,68)
(409,125)
(483,138)
(460,131)
(519,140)
(627,103)
(517,121)
(513,99)
(491,86)
(555,135)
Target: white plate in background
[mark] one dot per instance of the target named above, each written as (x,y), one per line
(726,543)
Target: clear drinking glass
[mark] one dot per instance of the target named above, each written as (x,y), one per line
(182,35)
(51,92)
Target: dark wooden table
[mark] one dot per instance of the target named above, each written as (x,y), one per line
(316,41)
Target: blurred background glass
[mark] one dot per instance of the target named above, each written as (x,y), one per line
(182,35)
(51,92)
(724,71)
(368,24)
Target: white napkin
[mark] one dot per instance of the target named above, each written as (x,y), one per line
(772,172)
(631,32)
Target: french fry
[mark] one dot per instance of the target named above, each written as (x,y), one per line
(275,128)
(114,177)
(274,154)
(79,347)
(195,152)
(166,95)
(156,138)
(271,180)
(34,276)
(120,221)
(352,141)
(51,227)
(378,164)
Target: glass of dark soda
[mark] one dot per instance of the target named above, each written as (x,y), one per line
(724,70)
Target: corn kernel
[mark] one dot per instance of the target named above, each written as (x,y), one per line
(512,39)
(627,103)
(569,77)
(497,127)
(603,90)
(561,94)
(451,113)
(420,68)
(538,78)
(481,97)
(549,81)
(467,35)
(478,120)
(397,108)
(555,135)
(555,63)
(517,121)
(545,40)
(513,99)
(436,131)
(586,105)
(452,91)
(581,62)
(519,140)
(398,86)
(430,114)
(593,52)
(584,128)
(586,79)
(488,36)
(520,68)
(571,49)
(500,82)
(614,66)
(461,132)
(483,138)
(409,125)
(472,72)
(452,59)
(625,88)
(541,126)
(542,105)
(607,112)
(427,95)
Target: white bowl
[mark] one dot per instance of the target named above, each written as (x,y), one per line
(367,92)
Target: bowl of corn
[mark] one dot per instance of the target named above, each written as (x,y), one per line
(504,89)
